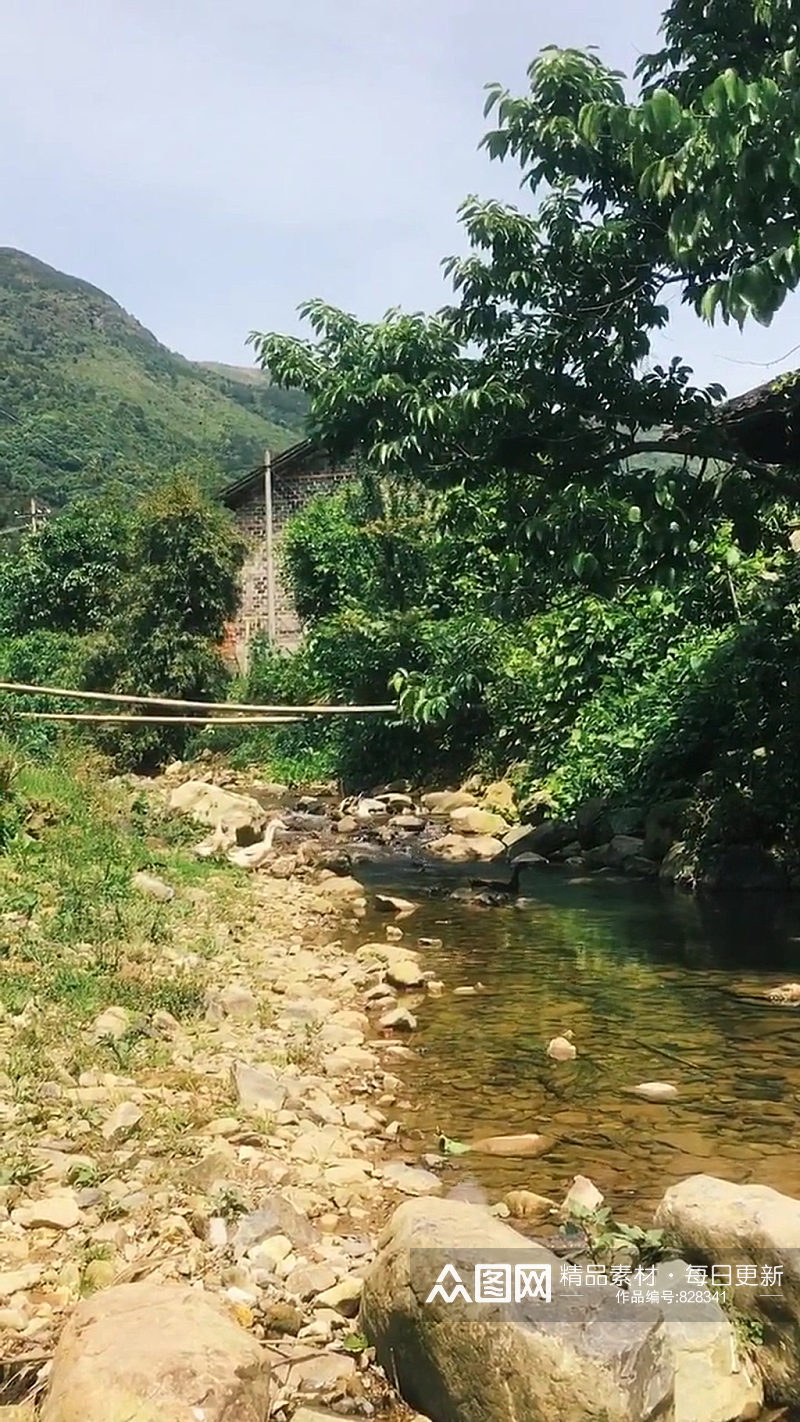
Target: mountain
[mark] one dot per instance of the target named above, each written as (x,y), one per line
(91,402)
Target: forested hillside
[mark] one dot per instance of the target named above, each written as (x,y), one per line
(89,399)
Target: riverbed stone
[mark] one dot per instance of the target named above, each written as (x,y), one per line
(545,839)
(411,1179)
(276,1216)
(714,1382)
(716,1221)
(57,1212)
(468,820)
(113,1022)
(442,802)
(258,1088)
(153,887)
(207,804)
(156,1353)
(461,849)
(404,971)
(449,1360)
(122,1121)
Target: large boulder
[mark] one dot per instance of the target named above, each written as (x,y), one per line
(156,1353)
(744,866)
(749,1229)
(663,826)
(238,817)
(467,820)
(545,839)
(500,797)
(594,823)
(442,802)
(462,849)
(579,1358)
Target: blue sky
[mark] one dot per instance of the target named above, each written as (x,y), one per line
(211,163)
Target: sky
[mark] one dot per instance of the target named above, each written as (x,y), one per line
(213,163)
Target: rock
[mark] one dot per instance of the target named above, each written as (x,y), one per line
(156,1353)
(388,903)
(525,1205)
(154,888)
(124,1119)
(522,1145)
(283,1319)
(655,1090)
(677,866)
(113,1022)
(237,816)
(346,1060)
(275,1217)
(346,825)
(344,1297)
(258,1089)
(410,823)
(663,826)
(561,1049)
(545,839)
(525,1367)
(399,1019)
(54,1212)
(748,867)
(270,1252)
(713,1381)
(716,1221)
(284,866)
(594,824)
(411,1180)
(341,887)
(442,802)
(17,1281)
(623,847)
(235,1001)
(500,797)
(583,1194)
(477,821)
(461,849)
(308,1280)
(405,973)
(313,1372)
(393,934)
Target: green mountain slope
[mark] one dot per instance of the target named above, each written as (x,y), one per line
(90,401)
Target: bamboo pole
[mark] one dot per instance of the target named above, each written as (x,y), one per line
(269,549)
(322,710)
(157,720)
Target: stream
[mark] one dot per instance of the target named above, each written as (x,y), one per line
(655,986)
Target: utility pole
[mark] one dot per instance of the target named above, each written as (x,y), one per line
(269,549)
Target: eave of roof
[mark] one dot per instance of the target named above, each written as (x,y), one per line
(240,488)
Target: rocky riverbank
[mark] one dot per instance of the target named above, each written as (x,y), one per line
(194,1198)
(247,1150)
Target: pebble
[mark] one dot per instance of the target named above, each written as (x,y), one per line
(121,1122)
(399,1019)
(55,1212)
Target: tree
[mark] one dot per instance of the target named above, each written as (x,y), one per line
(532,381)
(66,576)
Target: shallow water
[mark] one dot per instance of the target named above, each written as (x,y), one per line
(654,986)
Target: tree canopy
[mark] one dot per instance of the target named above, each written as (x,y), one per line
(533,380)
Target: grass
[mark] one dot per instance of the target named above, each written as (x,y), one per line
(74,934)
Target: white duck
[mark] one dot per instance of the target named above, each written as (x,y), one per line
(254,855)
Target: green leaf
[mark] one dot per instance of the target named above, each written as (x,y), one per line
(449,1147)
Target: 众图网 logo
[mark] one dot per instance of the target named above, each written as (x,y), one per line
(494,1283)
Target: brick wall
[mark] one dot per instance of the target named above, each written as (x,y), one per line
(292,487)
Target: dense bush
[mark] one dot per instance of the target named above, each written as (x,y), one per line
(139,604)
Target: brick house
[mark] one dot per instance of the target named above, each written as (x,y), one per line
(262,503)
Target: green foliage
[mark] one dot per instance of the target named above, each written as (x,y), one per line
(64,578)
(142,598)
(89,400)
(606,1238)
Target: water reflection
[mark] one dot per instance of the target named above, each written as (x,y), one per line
(654,986)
